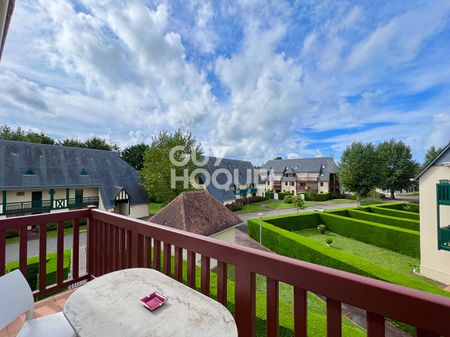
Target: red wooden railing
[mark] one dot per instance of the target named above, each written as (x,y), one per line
(115,242)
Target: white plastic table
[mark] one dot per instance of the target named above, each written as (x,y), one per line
(109,306)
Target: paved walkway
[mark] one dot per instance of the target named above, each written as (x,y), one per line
(246,216)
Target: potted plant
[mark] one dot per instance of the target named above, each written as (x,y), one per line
(329,242)
(322,229)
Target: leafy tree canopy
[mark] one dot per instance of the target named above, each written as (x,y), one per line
(397,165)
(30,136)
(158,168)
(134,155)
(360,169)
(73,142)
(430,155)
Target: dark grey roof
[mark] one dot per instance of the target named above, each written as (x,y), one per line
(242,168)
(443,156)
(57,166)
(306,165)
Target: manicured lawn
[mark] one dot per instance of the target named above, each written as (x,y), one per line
(386,258)
(154,208)
(251,208)
(50,234)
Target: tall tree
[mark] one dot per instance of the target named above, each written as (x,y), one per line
(73,142)
(159,170)
(20,135)
(100,144)
(397,166)
(134,155)
(430,155)
(359,170)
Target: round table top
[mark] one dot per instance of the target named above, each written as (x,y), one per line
(109,306)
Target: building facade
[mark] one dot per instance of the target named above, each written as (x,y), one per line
(38,178)
(318,175)
(434,189)
(229,179)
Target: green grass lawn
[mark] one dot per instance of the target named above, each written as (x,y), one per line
(154,208)
(250,208)
(388,259)
(50,234)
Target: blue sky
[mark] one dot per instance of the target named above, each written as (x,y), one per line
(251,79)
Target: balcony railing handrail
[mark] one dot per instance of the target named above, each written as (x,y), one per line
(396,302)
(115,242)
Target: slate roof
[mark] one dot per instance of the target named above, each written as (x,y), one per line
(304,165)
(196,212)
(241,167)
(443,156)
(56,166)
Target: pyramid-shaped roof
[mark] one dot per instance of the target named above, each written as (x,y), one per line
(196,212)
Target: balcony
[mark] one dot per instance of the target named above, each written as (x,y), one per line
(116,242)
(43,206)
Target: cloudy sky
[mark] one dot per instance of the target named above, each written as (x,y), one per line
(251,79)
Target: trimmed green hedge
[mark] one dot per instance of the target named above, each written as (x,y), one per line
(385,220)
(391,212)
(295,222)
(399,240)
(392,205)
(33,268)
(293,245)
(412,208)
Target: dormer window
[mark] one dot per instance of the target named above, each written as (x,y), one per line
(83,173)
(30,172)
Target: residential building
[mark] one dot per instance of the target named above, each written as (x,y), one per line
(434,188)
(39,178)
(319,175)
(229,179)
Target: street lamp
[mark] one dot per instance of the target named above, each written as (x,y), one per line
(260,228)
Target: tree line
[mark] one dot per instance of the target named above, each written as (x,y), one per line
(363,167)
(388,166)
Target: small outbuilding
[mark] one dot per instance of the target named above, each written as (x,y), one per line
(434,188)
(196,212)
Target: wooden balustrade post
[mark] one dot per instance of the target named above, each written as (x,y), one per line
(245,293)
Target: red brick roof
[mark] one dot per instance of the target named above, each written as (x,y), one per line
(196,212)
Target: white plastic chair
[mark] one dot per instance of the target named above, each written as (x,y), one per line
(16,298)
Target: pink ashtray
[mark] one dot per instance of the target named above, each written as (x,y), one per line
(153,301)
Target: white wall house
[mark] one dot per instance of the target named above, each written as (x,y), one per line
(434,187)
(39,178)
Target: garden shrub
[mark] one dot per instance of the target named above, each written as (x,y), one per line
(289,199)
(269,194)
(335,195)
(295,222)
(411,207)
(385,220)
(11,234)
(320,196)
(393,212)
(399,240)
(33,268)
(253,199)
(296,246)
(392,205)
(370,201)
(235,205)
(282,195)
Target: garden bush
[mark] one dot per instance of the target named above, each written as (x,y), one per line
(320,196)
(399,240)
(296,246)
(393,205)
(392,212)
(385,220)
(269,194)
(411,207)
(289,199)
(295,222)
(33,268)
(370,201)
(282,195)
(235,205)
(253,199)
(335,195)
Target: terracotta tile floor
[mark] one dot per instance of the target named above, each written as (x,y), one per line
(45,307)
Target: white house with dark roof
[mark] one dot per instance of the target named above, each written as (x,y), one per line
(318,175)
(434,194)
(38,178)
(244,180)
